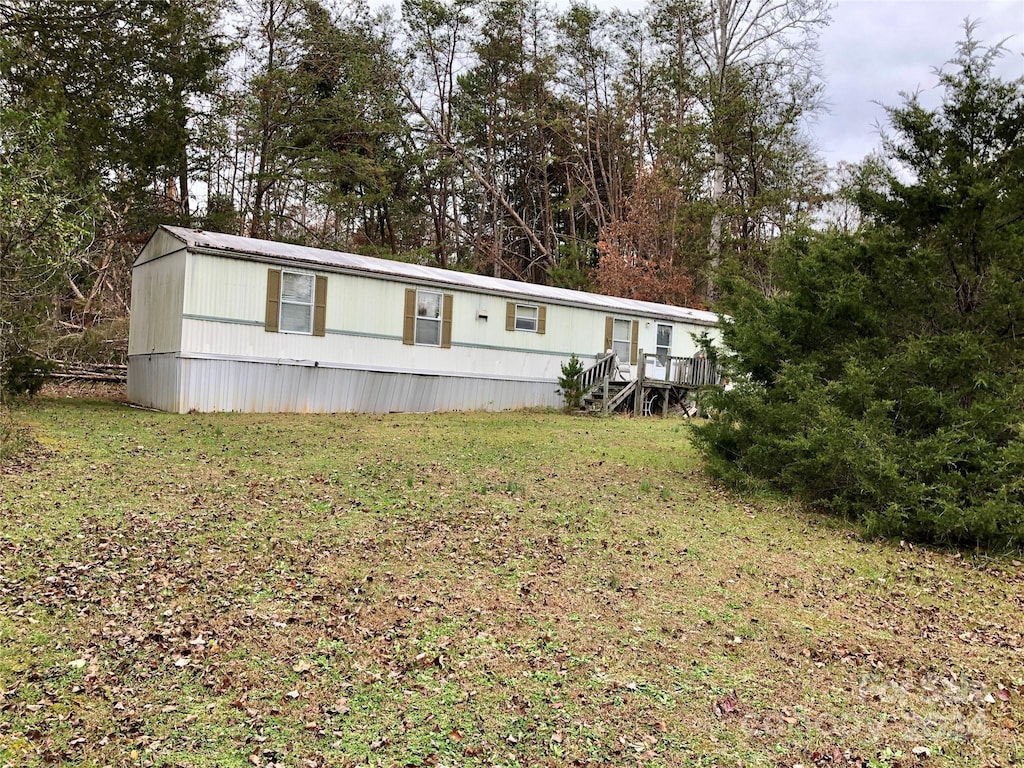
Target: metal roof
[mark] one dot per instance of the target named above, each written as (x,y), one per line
(251,248)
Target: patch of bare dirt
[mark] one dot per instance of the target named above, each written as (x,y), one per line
(87,390)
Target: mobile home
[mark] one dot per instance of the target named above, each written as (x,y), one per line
(227,323)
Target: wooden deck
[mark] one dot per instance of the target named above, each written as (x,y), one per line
(662,382)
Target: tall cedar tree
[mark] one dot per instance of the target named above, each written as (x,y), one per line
(124,75)
(885,381)
(44,220)
(123,80)
(346,127)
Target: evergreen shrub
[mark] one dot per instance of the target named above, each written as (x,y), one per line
(25,375)
(884,380)
(570,385)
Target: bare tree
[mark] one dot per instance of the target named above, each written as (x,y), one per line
(768,41)
(271,37)
(436,35)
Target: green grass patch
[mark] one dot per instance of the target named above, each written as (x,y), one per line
(467,589)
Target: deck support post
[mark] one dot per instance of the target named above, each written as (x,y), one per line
(641,374)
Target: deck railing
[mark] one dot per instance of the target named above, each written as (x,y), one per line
(599,372)
(682,371)
(654,372)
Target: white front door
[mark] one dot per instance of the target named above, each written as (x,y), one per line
(662,351)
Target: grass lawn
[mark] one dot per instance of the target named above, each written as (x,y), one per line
(461,590)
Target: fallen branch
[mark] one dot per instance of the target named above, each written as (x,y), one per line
(99,372)
(89,376)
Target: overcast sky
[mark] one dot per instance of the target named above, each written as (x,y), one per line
(874,49)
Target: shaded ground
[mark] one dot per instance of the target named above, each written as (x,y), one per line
(92,390)
(510,589)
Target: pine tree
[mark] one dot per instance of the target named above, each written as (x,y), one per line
(44,220)
(885,380)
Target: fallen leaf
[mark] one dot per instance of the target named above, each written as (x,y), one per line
(339,707)
(727,706)
(301,666)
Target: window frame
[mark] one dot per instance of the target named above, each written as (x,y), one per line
(535,320)
(439,319)
(311,305)
(513,316)
(634,340)
(628,341)
(411,318)
(662,357)
(275,292)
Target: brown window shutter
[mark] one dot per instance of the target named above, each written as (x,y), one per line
(320,307)
(272,322)
(510,315)
(409,331)
(609,324)
(542,319)
(446,322)
(634,342)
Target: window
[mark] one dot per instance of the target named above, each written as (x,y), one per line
(620,336)
(296,302)
(428,318)
(525,317)
(663,346)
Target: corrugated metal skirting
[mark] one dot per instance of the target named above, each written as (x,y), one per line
(181,384)
(153,381)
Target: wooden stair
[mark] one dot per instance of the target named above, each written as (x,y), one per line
(619,393)
(606,390)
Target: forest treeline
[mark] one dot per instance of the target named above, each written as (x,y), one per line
(629,153)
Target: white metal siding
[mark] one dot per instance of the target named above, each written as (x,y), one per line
(163,241)
(225,302)
(683,343)
(157,300)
